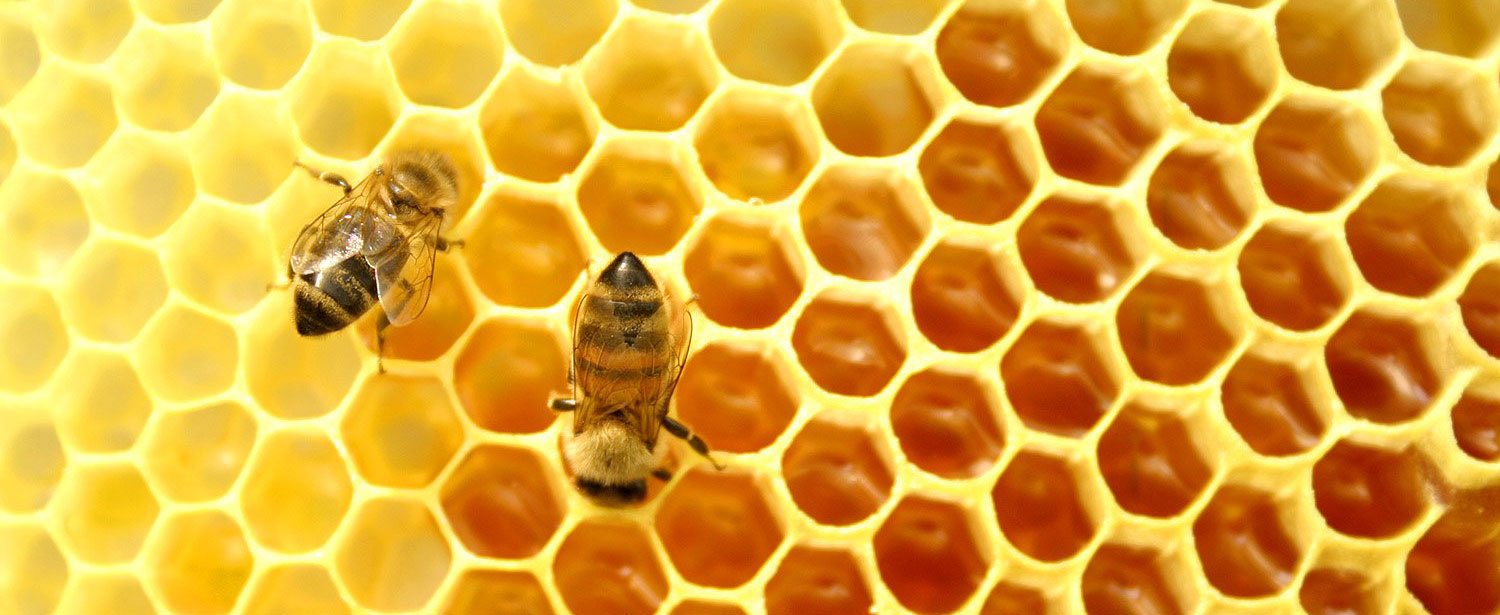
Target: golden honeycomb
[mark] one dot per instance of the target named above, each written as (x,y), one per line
(1002,306)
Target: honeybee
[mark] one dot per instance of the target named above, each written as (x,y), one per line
(377,243)
(630,341)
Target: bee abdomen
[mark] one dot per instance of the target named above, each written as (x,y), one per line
(331,299)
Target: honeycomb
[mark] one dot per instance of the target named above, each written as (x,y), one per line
(1002,306)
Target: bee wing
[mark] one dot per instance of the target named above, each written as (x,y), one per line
(681,342)
(403,274)
(655,394)
(336,234)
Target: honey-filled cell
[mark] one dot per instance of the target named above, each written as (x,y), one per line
(391,556)
(1124,27)
(1057,378)
(637,198)
(649,74)
(1009,598)
(863,222)
(1411,235)
(1293,278)
(449,312)
(1340,591)
(1370,492)
(1131,581)
(752,145)
(1440,112)
(537,244)
(535,127)
(445,54)
(1200,196)
(963,298)
(294,588)
(817,580)
(999,55)
(547,35)
(927,556)
(1381,368)
(609,566)
(1150,461)
(506,373)
(745,272)
(502,503)
(497,591)
(873,100)
(199,562)
(1480,307)
(847,346)
(779,42)
(947,423)
(717,527)
(400,431)
(1455,566)
(837,474)
(1223,65)
(1338,45)
(1312,152)
(739,398)
(1456,27)
(261,44)
(1174,330)
(1269,403)
(1079,251)
(1099,122)
(1244,542)
(195,455)
(979,172)
(296,491)
(1039,504)
(704,607)
(1476,424)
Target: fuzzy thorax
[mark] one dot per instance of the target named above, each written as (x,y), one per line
(609,454)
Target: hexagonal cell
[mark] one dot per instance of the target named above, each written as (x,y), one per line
(1370,492)
(1175,330)
(946,423)
(278,362)
(893,16)
(445,54)
(244,147)
(537,243)
(148,180)
(31,464)
(500,502)
(777,41)
(609,566)
(736,396)
(1457,27)
(294,588)
(836,473)
(295,492)
(506,373)
(875,99)
(64,116)
(196,264)
(1057,380)
(535,127)
(1440,111)
(998,55)
(635,197)
(1268,403)
(1480,306)
(400,430)
(1223,66)
(717,527)
(176,11)
(345,101)
(756,145)
(1476,424)
(979,172)
(34,571)
(104,512)
(1150,461)
(849,346)
(119,593)
(196,455)
(1124,28)
(963,298)
(927,556)
(744,271)
(1296,279)
(1337,45)
(111,289)
(498,591)
(19,54)
(1014,599)
(175,61)
(392,555)
(199,562)
(1340,591)
(1123,579)
(82,30)
(1313,152)
(261,44)
(1244,543)
(185,354)
(448,134)
(1455,567)
(449,311)
(365,20)
(36,340)
(1039,506)
(1410,235)
(649,74)
(547,34)
(1099,122)
(1076,250)
(44,221)
(816,580)
(1200,195)
(863,222)
(1381,368)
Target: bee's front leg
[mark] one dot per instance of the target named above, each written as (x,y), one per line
(562,404)
(327,177)
(444,245)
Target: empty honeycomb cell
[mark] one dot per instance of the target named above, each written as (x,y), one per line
(364,20)
(1440,112)
(649,74)
(497,591)
(1057,378)
(1480,306)
(501,503)
(1370,492)
(117,593)
(344,101)
(1381,368)
(1039,505)
(1457,27)
(777,41)
(752,145)
(1130,581)
(1338,45)
(546,34)
(36,339)
(946,422)
(1200,196)
(110,289)
(863,222)
(701,607)
(1476,424)
(400,431)
(893,16)
(295,492)
(997,54)
(875,99)
(736,396)
(836,473)
(538,246)
(979,172)
(1099,122)
(31,464)
(105,512)
(744,271)
(1294,278)
(260,44)
(609,566)
(848,346)
(1244,543)
(44,222)
(63,116)
(635,198)
(196,455)
(963,299)
(817,580)
(1312,152)
(717,528)
(1268,403)
(32,570)
(185,354)
(445,54)
(449,311)
(102,408)
(1078,251)
(1124,28)
(1151,462)
(1013,599)
(83,30)
(291,376)
(1339,591)
(392,556)
(535,127)
(175,61)
(243,147)
(199,562)
(1455,567)
(144,182)
(294,588)
(1409,236)
(1223,66)
(927,556)
(506,373)
(19,55)
(1175,330)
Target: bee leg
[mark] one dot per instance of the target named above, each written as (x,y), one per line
(662,474)
(563,405)
(327,177)
(380,328)
(699,446)
(444,245)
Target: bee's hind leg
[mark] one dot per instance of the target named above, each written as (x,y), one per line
(699,446)
(326,177)
(380,328)
(444,244)
(662,474)
(563,404)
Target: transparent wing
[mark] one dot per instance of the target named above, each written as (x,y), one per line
(681,341)
(652,395)
(403,273)
(338,233)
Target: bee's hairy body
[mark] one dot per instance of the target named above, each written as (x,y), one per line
(333,298)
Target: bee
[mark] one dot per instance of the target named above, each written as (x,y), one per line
(376,244)
(630,341)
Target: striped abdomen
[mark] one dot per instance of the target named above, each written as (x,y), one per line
(333,298)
